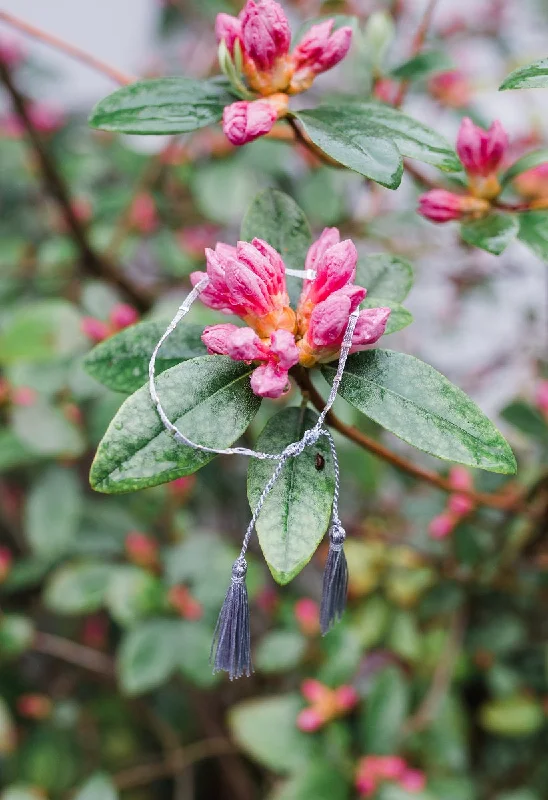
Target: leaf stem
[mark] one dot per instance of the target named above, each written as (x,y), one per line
(503,501)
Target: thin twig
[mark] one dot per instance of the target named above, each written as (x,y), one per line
(70,49)
(418,44)
(56,187)
(73,653)
(503,501)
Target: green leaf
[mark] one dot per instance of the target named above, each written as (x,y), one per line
(193,648)
(41,331)
(16,634)
(399,317)
(51,525)
(385,712)
(533,232)
(77,588)
(422,65)
(526,162)
(148,655)
(121,362)
(161,105)
(296,513)
(527,419)
(517,715)
(20,792)
(208,398)
(223,189)
(370,138)
(46,431)
(384,275)
(98,787)
(532,76)
(132,593)
(266,729)
(276,218)
(320,781)
(280,651)
(418,404)
(492,233)
(13,453)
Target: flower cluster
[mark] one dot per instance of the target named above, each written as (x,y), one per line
(459,505)
(249,281)
(373,771)
(325,704)
(481,153)
(257,43)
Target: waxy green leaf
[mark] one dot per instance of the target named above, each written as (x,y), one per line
(384,275)
(492,233)
(422,65)
(399,317)
(418,404)
(296,513)
(121,362)
(162,105)
(533,232)
(532,76)
(371,138)
(526,162)
(208,398)
(148,655)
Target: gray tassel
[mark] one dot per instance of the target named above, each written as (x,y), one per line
(335,580)
(231,648)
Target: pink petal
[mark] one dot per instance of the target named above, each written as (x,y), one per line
(217,338)
(369,328)
(335,268)
(245,121)
(328,321)
(282,345)
(245,345)
(268,380)
(328,238)
(265,32)
(247,290)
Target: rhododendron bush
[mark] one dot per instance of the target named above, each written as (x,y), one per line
(343,208)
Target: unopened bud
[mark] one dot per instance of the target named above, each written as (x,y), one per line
(440,205)
(142,550)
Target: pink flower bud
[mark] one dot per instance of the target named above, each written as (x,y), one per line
(182,601)
(247,289)
(328,238)
(441,526)
(334,269)
(24,396)
(314,691)
(318,51)
(123,315)
(480,151)
(141,549)
(95,329)
(265,32)
(346,698)
(439,205)
(265,262)
(34,706)
(328,321)
(307,614)
(541,396)
(413,781)
(228,29)
(245,345)
(461,478)
(283,349)
(268,600)
(390,767)
(310,720)
(386,90)
(45,118)
(6,560)
(12,52)
(269,380)
(217,338)
(245,121)
(460,505)
(143,215)
(366,785)
(370,326)
(181,488)
(450,88)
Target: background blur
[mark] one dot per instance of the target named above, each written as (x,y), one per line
(108,604)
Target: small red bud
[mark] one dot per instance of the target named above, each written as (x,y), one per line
(307,614)
(95,329)
(310,720)
(34,706)
(142,550)
(123,315)
(6,560)
(24,396)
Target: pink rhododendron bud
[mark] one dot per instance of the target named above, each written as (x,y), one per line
(217,338)
(366,785)
(310,720)
(460,505)
(181,488)
(141,549)
(265,262)
(461,478)
(143,216)
(6,560)
(314,691)
(228,29)
(12,52)
(413,781)
(284,349)
(441,526)
(123,315)
(95,329)
(533,183)
(390,767)
(450,88)
(346,698)
(265,32)
(318,51)
(46,118)
(386,90)
(184,603)
(541,397)
(327,239)
(24,396)
(269,380)
(245,345)
(481,151)
(334,269)
(439,205)
(34,706)
(307,614)
(248,290)
(328,321)
(268,600)
(370,326)
(245,121)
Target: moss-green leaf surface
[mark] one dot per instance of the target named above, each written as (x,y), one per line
(418,404)
(208,398)
(385,275)
(296,513)
(532,76)
(493,233)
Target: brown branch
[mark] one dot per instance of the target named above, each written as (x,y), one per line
(503,501)
(432,701)
(56,187)
(71,50)
(73,653)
